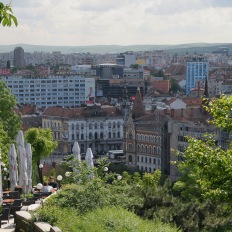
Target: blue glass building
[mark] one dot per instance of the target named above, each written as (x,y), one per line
(196,70)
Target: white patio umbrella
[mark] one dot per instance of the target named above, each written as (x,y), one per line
(22,159)
(76,151)
(13,167)
(29,167)
(89,157)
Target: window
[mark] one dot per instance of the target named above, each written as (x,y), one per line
(101,135)
(119,134)
(90,125)
(109,135)
(130,158)
(101,125)
(90,135)
(82,136)
(95,135)
(109,124)
(95,125)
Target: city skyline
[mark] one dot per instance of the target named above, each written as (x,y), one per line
(95,22)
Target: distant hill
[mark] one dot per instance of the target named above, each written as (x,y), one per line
(180,49)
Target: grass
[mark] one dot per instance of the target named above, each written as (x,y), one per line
(108,219)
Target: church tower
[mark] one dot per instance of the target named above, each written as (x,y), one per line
(138,108)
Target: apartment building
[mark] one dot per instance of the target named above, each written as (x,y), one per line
(97,127)
(66,91)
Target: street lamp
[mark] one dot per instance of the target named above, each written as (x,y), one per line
(105,169)
(41,172)
(119,177)
(59,179)
(67,174)
(39,186)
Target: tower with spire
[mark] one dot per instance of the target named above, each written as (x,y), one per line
(138,108)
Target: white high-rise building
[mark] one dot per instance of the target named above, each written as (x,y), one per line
(67,91)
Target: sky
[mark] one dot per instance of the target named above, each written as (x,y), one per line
(119,22)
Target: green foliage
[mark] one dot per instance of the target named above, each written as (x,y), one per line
(42,145)
(221,111)
(6,15)
(174,86)
(10,122)
(41,141)
(118,220)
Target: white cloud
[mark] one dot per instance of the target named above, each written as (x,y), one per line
(123,22)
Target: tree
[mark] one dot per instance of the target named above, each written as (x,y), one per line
(42,144)
(174,86)
(6,15)
(10,122)
(206,169)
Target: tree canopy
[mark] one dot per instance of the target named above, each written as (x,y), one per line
(41,141)
(6,15)
(206,168)
(10,122)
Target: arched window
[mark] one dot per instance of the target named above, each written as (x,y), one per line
(90,126)
(95,135)
(109,124)
(142,148)
(138,147)
(109,135)
(130,158)
(77,126)
(119,134)
(73,126)
(77,136)
(101,135)
(90,135)
(130,135)
(82,136)
(82,126)
(114,135)
(118,124)
(154,150)
(114,124)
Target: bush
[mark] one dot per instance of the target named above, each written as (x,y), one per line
(118,220)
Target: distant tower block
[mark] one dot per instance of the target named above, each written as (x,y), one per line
(19,60)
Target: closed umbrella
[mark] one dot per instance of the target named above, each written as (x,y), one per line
(76,151)
(22,158)
(13,167)
(29,167)
(89,157)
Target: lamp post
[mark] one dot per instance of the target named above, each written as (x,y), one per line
(67,174)
(119,177)
(41,172)
(59,179)
(39,186)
